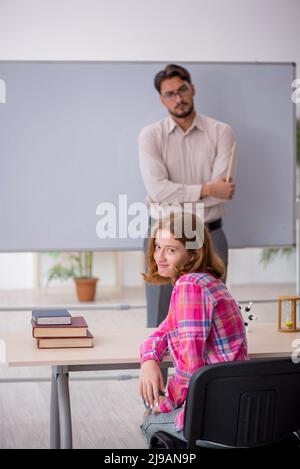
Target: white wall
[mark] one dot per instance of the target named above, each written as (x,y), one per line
(17,270)
(245,267)
(150,30)
(166,30)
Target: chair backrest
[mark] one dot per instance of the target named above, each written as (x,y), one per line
(243,404)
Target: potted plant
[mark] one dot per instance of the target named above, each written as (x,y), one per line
(78,266)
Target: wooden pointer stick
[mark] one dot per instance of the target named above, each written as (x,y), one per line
(232,160)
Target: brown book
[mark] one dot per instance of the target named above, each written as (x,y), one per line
(66,342)
(78,328)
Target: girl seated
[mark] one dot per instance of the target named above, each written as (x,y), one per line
(203,326)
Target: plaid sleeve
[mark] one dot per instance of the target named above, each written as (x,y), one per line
(193,317)
(155,346)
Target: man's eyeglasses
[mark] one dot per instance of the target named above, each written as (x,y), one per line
(184,90)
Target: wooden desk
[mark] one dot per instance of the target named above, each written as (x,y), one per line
(114,349)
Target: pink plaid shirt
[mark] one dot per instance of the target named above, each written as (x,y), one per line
(204,326)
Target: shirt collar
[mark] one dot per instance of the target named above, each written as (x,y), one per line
(171,124)
(196,123)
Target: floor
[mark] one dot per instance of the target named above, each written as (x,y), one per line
(106,408)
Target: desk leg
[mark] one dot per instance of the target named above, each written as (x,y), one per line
(54,414)
(64,408)
(164,372)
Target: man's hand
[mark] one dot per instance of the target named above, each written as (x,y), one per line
(219,189)
(151,381)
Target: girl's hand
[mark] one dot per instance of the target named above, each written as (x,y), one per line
(151,381)
(156,410)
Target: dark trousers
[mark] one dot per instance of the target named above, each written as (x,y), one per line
(158,296)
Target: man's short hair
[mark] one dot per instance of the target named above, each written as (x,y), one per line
(170,71)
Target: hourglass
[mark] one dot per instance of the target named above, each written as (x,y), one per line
(287,313)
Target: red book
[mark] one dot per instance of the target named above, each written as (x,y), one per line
(66,342)
(78,328)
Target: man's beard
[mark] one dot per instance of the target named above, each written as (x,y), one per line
(183,114)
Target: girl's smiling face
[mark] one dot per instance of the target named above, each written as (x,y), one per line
(168,253)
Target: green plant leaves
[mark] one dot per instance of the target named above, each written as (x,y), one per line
(71,266)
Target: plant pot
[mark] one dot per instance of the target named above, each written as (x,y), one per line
(86,288)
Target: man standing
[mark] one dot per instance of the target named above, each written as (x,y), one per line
(184,158)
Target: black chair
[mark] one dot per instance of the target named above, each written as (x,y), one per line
(245,404)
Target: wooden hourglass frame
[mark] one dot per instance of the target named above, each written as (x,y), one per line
(289,304)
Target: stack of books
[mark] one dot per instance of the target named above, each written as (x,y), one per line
(58,329)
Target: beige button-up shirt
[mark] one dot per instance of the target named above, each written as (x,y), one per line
(175,164)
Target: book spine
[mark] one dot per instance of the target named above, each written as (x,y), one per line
(64,347)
